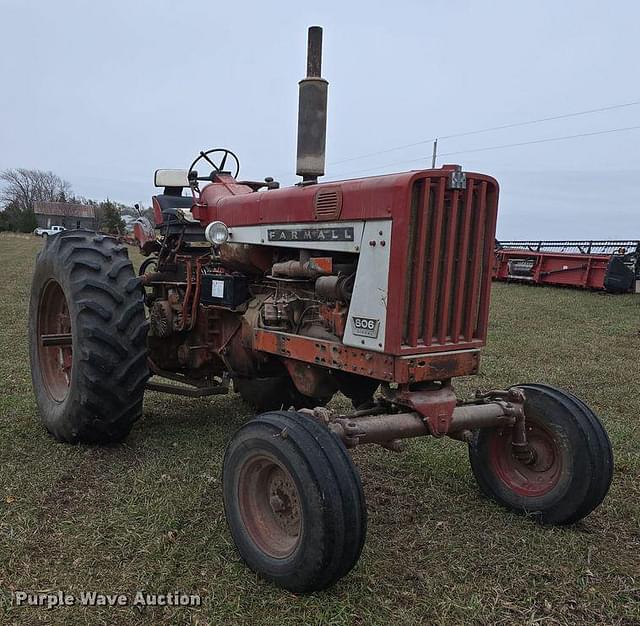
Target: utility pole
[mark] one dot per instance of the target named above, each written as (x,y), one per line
(435,152)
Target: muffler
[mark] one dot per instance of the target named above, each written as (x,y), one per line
(312,113)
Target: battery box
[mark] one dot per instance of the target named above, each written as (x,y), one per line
(227,290)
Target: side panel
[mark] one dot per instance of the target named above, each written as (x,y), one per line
(367,319)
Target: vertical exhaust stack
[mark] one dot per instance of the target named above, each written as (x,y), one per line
(312,113)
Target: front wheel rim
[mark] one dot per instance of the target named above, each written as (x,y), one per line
(269,506)
(534,479)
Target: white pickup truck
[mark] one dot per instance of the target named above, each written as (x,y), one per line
(47,232)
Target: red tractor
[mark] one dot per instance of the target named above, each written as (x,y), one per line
(375,287)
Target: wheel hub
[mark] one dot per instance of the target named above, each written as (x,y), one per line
(270,506)
(532,476)
(284,502)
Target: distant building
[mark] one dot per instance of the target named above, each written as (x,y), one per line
(68,214)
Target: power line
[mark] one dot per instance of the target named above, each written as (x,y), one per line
(534,141)
(490,129)
(542,119)
(498,147)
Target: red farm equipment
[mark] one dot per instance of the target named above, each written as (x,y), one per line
(611,265)
(376,287)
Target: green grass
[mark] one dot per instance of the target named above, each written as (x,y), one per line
(148,514)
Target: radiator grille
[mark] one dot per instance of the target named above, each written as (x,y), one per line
(451,238)
(328,203)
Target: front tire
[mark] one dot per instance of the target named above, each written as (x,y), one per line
(87,336)
(573,462)
(293,501)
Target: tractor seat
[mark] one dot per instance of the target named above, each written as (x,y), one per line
(169,203)
(192,234)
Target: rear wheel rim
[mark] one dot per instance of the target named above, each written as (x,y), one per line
(533,479)
(54,321)
(269,506)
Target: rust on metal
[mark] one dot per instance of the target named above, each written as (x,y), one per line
(435,405)
(55,345)
(376,428)
(315,266)
(334,355)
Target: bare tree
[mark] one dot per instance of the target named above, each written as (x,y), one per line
(22,188)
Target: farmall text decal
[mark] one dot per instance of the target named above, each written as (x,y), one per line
(344,233)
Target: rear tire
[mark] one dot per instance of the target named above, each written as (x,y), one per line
(573,464)
(91,389)
(293,501)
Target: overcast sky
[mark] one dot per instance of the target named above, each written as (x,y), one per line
(104,92)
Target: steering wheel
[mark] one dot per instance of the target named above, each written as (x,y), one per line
(217,169)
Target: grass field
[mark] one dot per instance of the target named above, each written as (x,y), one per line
(147,515)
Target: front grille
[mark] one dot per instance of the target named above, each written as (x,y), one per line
(451,240)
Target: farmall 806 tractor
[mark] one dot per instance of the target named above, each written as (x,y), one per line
(375,287)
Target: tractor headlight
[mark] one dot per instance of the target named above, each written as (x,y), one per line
(216,233)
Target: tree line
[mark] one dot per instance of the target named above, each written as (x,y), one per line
(21,188)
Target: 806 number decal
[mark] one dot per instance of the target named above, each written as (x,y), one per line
(365,326)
